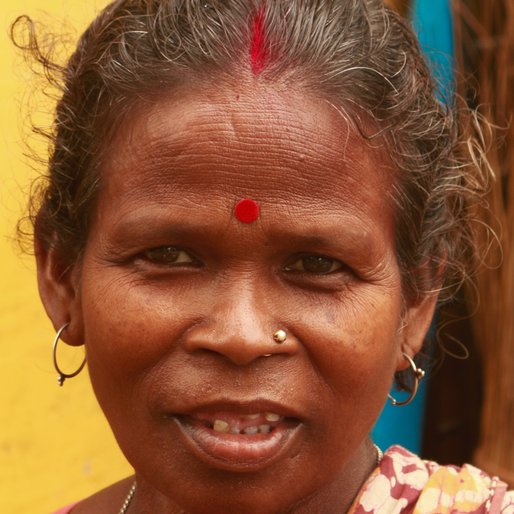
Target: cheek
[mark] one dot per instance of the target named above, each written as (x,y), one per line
(354,345)
(128,328)
(353,349)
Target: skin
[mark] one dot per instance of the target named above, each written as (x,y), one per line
(166,337)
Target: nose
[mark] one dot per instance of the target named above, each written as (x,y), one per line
(239,326)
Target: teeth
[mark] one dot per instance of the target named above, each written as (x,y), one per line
(221,426)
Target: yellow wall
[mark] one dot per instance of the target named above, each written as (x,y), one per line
(55,446)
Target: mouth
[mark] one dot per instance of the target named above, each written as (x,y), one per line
(238,441)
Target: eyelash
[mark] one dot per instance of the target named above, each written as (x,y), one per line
(175,256)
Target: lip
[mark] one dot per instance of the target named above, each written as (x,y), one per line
(237,452)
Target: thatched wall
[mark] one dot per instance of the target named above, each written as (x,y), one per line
(485,52)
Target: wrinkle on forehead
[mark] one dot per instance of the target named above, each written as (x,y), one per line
(264,128)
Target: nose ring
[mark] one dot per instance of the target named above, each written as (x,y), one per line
(279,336)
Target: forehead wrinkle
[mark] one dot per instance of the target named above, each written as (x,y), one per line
(245,143)
(233,138)
(154,183)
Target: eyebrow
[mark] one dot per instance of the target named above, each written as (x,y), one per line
(353,241)
(147,225)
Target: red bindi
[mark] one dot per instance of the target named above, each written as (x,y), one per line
(258,50)
(246,210)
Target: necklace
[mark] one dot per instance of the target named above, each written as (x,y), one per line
(128,499)
(380,456)
(130,495)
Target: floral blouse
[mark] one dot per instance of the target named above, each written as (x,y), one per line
(404,483)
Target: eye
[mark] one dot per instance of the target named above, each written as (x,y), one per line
(168,255)
(316,264)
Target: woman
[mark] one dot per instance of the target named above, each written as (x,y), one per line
(251,209)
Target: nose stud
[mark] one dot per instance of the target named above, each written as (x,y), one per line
(279,336)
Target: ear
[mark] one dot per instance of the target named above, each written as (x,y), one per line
(58,285)
(416,322)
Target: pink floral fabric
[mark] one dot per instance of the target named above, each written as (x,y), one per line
(404,483)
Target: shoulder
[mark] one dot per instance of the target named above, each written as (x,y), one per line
(105,501)
(406,483)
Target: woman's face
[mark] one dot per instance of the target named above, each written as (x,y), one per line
(179,299)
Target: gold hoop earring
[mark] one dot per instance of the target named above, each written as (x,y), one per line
(63,376)
(418,376)
(279,336)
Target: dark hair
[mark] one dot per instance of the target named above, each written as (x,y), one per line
(357,54)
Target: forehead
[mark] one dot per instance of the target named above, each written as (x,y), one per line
(258,142)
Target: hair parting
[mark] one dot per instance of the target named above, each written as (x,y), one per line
(259,52)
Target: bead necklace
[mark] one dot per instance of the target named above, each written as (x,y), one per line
(380,454)
(128,499)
